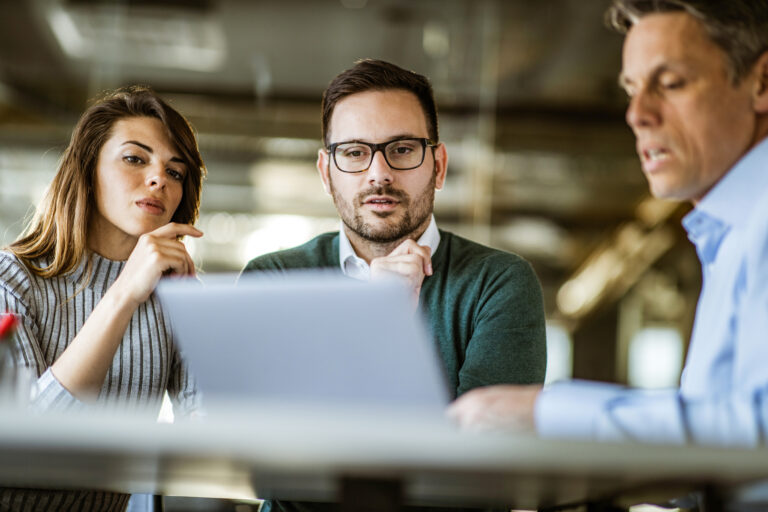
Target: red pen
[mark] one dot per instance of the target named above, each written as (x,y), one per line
(8,324)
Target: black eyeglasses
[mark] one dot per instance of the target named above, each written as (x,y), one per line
(400,154)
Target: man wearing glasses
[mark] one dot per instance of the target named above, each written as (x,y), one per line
(382,162)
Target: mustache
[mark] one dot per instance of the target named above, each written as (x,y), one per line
(382,190)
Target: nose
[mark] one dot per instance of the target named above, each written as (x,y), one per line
(643,111)
(379,171)
(156,177)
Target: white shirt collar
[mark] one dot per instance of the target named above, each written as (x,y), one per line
(357,268)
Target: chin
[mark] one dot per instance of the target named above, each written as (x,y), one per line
(670,194)
(148,228)
(661,189)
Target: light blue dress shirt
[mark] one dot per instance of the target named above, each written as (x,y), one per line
(723,394)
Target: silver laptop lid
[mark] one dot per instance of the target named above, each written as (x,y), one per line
(305,339)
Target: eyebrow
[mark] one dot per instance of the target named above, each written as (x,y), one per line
(390,139)
(149,150)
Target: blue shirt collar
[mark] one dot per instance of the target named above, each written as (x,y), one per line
(733,198)
(730,202)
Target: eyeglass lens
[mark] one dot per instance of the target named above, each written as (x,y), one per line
(400,154)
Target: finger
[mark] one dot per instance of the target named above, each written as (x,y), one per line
(463,413)
(158,250)
(405,247)
(167,256)
(162,244)
(416,260)
(176,264)
(411,247)
(175,229)
(408,266)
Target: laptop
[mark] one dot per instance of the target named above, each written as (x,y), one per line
(305,339)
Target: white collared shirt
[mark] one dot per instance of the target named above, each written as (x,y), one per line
(357,268)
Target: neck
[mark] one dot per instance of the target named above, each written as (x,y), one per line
(115,246)
(760,134)
(113,252)
(368,250)
(761,130)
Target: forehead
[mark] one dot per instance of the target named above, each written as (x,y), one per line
(140,129)
(668,39)
(375,116)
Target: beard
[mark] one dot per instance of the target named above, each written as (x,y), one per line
(412,213)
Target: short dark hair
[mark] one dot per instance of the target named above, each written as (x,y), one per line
(379,75)
(738,27)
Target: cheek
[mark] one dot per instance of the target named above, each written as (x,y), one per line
(344,188)
(720,144)
(419,184)
(717,130)
(101,194)
(176,197)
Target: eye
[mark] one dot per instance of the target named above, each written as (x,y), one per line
(132,159)
(354,151)
(670,81)
(671,85)
(401,148)
(176,175)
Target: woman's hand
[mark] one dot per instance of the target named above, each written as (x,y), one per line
(156,254)
(83,366)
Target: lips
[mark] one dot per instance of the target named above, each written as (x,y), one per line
(653,156)
(150,205)
(381,200)
(381,204)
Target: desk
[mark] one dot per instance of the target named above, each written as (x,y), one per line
(306,455)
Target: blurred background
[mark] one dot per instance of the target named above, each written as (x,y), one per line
(541,161)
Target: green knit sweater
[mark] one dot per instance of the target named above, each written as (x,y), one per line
(484,307)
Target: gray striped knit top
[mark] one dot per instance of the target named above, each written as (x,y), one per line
(146,364)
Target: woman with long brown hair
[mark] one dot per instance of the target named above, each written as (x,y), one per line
(81,278)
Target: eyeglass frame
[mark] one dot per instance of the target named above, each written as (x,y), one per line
(425,143)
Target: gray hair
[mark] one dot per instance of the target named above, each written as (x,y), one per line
(738,27)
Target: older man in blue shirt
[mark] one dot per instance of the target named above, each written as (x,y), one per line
(696,73)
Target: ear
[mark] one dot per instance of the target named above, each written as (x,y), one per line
(323,168)
(760,93)
(441,165)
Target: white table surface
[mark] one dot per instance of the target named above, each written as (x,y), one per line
(304,454)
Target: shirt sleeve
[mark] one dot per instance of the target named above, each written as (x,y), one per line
(46,392)
(605,412)
(739,416)
(608,412)
(183,390)
(508,339)
(736,415)
(733,412)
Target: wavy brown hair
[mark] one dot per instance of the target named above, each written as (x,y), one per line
(58,231)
